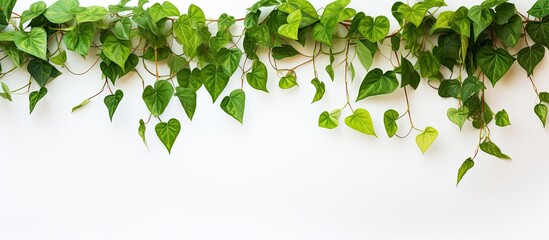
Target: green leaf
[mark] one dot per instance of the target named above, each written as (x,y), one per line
(262,3)
(158,97)
(541,112)
(329,120)
(122,29)
(167,9)
(215,80)
(7,7)
(228,59)
(91,14)
(257,78)
(361,121)
(429,65)
(62,11)
(374,30)
(510,32)
(35,10)
(42,71)
(190,79)
(491,148)
(481,18)
(322,34)
(389,120)
(117,50)
(284,51)
(539,31)
(288,81)
(449,88)
(60,58)
(471,85)
(529,57)
(502,118)
(544,97)
(308,11)
(504,12)
(225,22)
(377,83)
(82,104)
(460,22)
(540,9)
(187,97)
(409,74)
(458,116)
(196,15)
(364,55)
(35,96)
(465,166)
(7,93)
(443,21)
(492,3)
(177,63)
(234,104)
(79,39)
(167,132)
(141,131)
(291,29)
(425,139)
(112,101)
(33,43)
(320,89)
(413,14)
(494,62)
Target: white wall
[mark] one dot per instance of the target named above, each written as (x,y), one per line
(278,176)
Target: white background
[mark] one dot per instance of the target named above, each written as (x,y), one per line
(278,176)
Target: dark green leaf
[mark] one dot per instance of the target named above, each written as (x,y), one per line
(35,96)
(177,63)
(494,62)
(320,89)
(167,132)
(544,97)
(429,65)
(361,121)
(465,166)
(481,18)
(377,83)
(234,104)
(215,80)
(504,12)
(492,3)
(284,51)
(539,31)
(540,9)
(187,97)
(158,97)
(42,71)
(491,148)
(510,32)
(389,120)
(112,102)
(190,79)
(409,74)
(529,57)
(449,88)
(541,112)
(471,85)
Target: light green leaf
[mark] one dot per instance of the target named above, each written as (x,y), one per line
(541,112)
(364,55)
(494,62)
(141,131)
(35,96)
(465,166)
(539,31)
(215,80)
(540,9)
(122,29)
(167,132)
(34,11)
(425,139)
(117,50)
(288,81)
(529,57)
(413,14)
(158,97)
(322,34)
(7,93)
(82,104)
(112,102)
(389,120)
(291,29)
(7,7)
(60,58)
(329,120)
(377,83)
(361,121)
(262,3)
(481,18)
(374,30)
(491,148)
(33,43)
(458,116)
(320,89)
(257,78)
(502,118)
(79,39)
(228,59)
(91,14)
(167,9)
(443,20)
(62,11)
(225,22)
(234,104)
(460,22)
(510,32)
(187,97)
(196,15)
(177,63)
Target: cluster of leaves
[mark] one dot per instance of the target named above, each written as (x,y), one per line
(452,51)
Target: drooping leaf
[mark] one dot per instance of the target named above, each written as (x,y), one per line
(141,131)
(190,79)
(80,38)
(60,58)
(187,97)
(91,14)
(481,18)
(539,31)
(35,96)
(529,57)
(544,97)
(510,32)
(117,50)
(502,118)
(449,88)
(62,11)
(33,43)
(158,97)
(504,12)
(494,62)
(425,139)
(429,65)
(458,116)
(491,148)
(377,83)
(541,112)
(364,54)
(460,22)
(6,94)
(320,88)
(409,75)
(288,81)
(361,121)
(284,51)
(329,120)
(374,30)
(42,71)
(257,78)
(122,29)
(464,168)
(82,104)
(540,9)
(389,120)
(291,28)
(471,85)
(234,104)
(167,132)
(112,101)
(215,80)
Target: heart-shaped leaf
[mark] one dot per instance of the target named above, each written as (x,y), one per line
(33,43)
(529,57)
(35,96)
(494,62)
(257,78)
(540,9)
(389,120)
(187,97)
(361,121)
(158,97)
(377,83)
(117,50)
(425,139)
(112,101)
(62,11)
(234,104)
(167,132)
(291,29)
(464,168)
(215,80)
(374,30)
(329,120)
